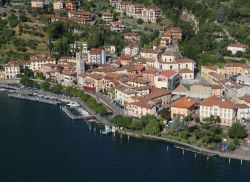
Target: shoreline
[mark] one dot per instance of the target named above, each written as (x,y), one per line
(178,144)
(187,147)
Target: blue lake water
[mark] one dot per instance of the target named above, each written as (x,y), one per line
(39,143)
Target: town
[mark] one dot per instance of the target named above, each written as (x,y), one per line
(138,82)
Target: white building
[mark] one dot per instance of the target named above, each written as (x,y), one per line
(12,69)
(243,112)
(80,64)
(131,50)
(37,3)
(234,48)
(97,56)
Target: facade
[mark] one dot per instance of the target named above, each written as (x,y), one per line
(168,79)
(107,17)
(97,56)
(234,48)
(58,5)
(151,14)
(132,36)
(150,75)
(70,5)
(182,108)
(83,15)
(37,3)
(171,36)
(12,69)
(203,91)
(216,106)
(117,26)
(80,64)
(243,113)
(37,61)
(131,50)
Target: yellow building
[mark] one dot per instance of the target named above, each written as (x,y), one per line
(2,74)
(182,107)
(235,69)
(206,70)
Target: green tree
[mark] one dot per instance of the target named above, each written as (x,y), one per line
(237,131)
(139,21)
(45,86)
(152,128)
(57,88)
(165,113)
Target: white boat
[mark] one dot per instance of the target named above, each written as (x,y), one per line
(3,89)
(73,104)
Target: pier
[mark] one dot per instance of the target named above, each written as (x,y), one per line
(33,98)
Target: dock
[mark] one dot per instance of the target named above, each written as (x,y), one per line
(33,98)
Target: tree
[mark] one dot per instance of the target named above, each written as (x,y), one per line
(57,88)
(237,131)
(165,113)
(45,86)
(26,81)
(140,21)
(152,128)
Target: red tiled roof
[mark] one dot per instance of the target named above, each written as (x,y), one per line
(184,102)
(168,73)
(216,101)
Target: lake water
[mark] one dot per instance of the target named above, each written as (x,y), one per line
(39,143)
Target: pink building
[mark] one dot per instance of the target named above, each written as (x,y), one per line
(150,75)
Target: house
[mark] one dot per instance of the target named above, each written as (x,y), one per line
(12,69)
(243,113)
(57,5)
(49,70)
(181,91)
(149,54)
(131,36)
(83,15)
(168,79)
(171,36)
(107,17)
(182,108)
(150,75)
(37,3)
(2,74)
(117,26)
(135,68)
(71,5)
(110,49)
(37,61)
(222,108)
(138,106)
(206,70)
(238,47)
(126,59)
(151,14)
(69,77)
(131,50)
(142,108)
(93,81)
(97,56)
(123,93)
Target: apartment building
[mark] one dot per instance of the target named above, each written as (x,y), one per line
(216,106)
(168,79)
(182,108)
(97,56)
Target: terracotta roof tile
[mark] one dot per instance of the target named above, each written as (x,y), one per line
(216,101)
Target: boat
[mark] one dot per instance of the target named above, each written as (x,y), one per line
(3,89)
(73,104)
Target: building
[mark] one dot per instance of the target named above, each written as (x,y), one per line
(245,99)
(37,61)
(78,46)
(126,59)
(182,108)
(117,26)
(243,113)
(151,14)
(171,36)
(218,107)
(37,3)
(234,48)
(97,56)
(93,81)
(58,5)
(80,64)
(168,79)
(123,93)
(83,15)
(131,50)
(70,5)
(150,75)
(132,36)
(107,17)
(12,69)
(232,69)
